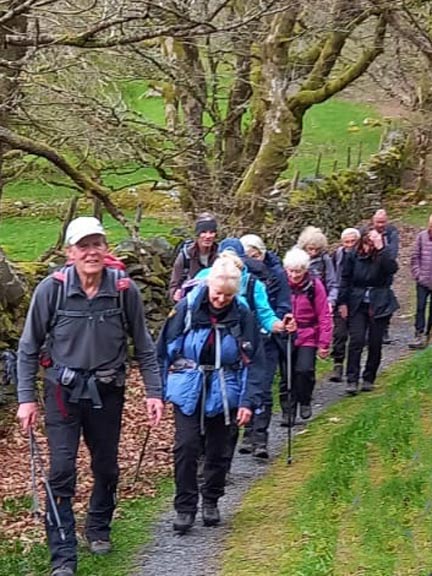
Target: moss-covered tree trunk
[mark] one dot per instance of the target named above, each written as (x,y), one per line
(9,71)
(286,108)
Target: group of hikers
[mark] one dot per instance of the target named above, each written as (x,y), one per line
(240,314)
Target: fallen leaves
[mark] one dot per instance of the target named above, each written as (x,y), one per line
(16,518)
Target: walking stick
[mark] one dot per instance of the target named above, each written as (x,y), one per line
(36,456)
(289,394)
(141,456)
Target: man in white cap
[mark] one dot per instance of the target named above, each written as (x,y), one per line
(82,316)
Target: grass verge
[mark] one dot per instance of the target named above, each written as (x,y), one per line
(131,530)
(357,499)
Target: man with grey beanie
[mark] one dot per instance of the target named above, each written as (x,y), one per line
(194,256)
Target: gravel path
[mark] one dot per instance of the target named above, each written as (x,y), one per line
(198,552)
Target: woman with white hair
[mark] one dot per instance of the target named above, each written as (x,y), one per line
(267,267)
(314,242)
(314,333)
(349,238)
(211,359)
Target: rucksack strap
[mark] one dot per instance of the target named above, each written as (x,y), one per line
(250,292)
(121,282)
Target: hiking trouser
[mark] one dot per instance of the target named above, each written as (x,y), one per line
(64,422)
(340,337)
(303,377)
(188,448)
(359,325)
(423,295)
(257,429)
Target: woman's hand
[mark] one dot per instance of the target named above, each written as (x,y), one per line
(343,311)
(376,239)
(278,327)
(243,416)
(290,323)
(323,353)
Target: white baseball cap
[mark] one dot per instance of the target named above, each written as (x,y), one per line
(82,227)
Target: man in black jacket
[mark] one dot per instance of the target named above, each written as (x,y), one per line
(390,236)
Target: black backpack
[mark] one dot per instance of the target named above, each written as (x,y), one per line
(182,247)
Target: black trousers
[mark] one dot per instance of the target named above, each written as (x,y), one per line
(187,449)
(257,429)
(340,337)
(64,423)
(303,361)
(360,325)
(423,295)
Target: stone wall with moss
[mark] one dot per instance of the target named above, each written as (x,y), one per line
(337,201)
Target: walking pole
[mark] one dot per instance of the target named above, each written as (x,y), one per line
(141,456)
(35,452)
(35,497)
(289,394)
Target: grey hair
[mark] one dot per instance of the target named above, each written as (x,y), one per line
(349,231)
(312,235)
(296,258)
(225,272)
(253,242)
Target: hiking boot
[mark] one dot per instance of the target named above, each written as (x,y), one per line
(210,514)
(246,446)
(63,571)
(305,411)
(285,422)
(337,373)
(229,479)
(183,522)
(367,386)
(351,388)
(100,547)
(386,338)
(420,341)
(260,451)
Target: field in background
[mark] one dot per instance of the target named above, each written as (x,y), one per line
(26,238)
(330,129)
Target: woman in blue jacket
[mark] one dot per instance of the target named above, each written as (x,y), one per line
(211,358)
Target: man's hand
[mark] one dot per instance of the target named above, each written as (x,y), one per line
(243,416)
(155,409)
(343,311)
(27,414)
(177,295)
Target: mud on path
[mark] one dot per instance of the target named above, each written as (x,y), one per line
(198,553)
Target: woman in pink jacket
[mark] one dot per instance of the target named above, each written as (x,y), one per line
(314,333)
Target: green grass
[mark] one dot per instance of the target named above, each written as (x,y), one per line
(326,131)
(358,496)
(26,238)
(131,531)
(417,216)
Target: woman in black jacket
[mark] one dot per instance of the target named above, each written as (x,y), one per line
(366,298)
